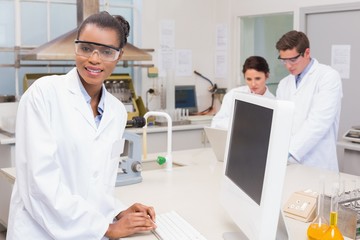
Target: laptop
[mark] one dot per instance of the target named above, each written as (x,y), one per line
(217,139)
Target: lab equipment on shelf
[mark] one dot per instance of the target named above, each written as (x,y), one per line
(353,134)
(350,200)
(121,86)
(171,226)
(136,122)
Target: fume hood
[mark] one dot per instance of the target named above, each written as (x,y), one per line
(62,47)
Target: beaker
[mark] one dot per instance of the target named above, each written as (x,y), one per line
(333,232)
(319,225)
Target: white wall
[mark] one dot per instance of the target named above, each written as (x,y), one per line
(195,29)
(261,7)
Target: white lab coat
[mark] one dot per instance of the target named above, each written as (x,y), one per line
(316,119)
(222,117)
(65,175)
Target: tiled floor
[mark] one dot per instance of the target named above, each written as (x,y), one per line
(2,236)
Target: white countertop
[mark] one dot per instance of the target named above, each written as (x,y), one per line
(193,191)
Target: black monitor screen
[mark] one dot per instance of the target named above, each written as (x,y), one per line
(185,97)
(248,147)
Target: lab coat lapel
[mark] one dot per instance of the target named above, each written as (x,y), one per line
(77,98)
(308,75)
(107,115)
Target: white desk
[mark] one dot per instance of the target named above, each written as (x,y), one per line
(193,191)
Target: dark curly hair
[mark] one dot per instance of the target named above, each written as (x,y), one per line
(105,20)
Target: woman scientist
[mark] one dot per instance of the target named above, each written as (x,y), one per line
(256,72)
(68,129)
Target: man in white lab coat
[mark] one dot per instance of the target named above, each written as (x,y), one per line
(316,90)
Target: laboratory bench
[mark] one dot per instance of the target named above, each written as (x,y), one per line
(192,189)
(156,142)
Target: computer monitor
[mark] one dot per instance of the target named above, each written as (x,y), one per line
(255,163)
(185,97)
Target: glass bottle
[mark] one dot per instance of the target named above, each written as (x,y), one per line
(333,232)
(319,225)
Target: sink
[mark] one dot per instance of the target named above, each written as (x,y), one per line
(148,165)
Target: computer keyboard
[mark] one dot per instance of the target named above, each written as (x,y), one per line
(171,226)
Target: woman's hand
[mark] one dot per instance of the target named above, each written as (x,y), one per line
(137,218)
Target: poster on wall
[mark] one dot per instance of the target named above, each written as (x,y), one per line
(166,61)
(221,51)
(340,59)
(183,62)
(167,34)
(220,64)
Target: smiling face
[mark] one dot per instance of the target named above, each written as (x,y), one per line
(93,70)
(256,81)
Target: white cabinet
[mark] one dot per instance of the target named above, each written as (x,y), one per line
(349,156)
(7,160)
(6,184)
(7,157)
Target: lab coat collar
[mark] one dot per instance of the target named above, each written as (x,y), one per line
(81,105)
(107,114)
(307,75)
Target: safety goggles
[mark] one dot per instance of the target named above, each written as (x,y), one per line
(292,60)
(105,52)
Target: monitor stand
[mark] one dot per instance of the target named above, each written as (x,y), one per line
(281,232)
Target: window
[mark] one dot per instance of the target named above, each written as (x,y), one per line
(44,22)
(258,36)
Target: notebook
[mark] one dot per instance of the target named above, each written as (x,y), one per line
(217,139)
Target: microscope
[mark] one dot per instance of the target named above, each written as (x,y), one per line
(130,160)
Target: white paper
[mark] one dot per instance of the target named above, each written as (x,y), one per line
(221,51)
(167,34)
(221,37)
(166,55)
(183,62)
(166,61)
(340,59)
(220,64)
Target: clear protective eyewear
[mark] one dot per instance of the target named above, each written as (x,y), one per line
(105,52)
(292,60)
